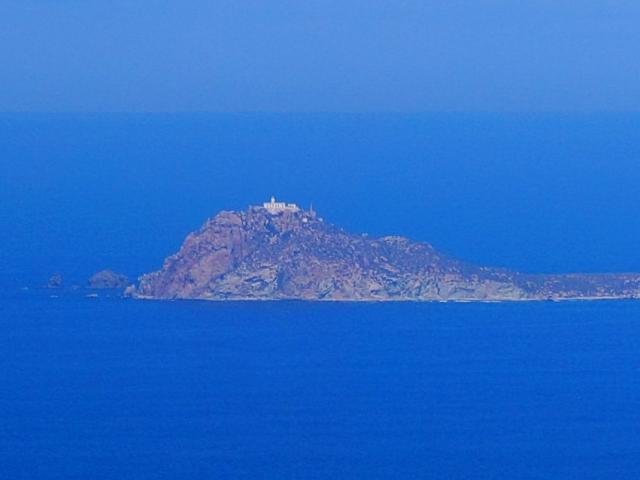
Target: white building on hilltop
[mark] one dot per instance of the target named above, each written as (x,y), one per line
(276,207)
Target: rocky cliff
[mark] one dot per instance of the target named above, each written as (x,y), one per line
(256,254)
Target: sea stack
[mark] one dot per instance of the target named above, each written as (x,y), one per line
(105,279)
(55,281)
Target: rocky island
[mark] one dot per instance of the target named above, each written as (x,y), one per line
(108,279)
(55,281)
(278,251)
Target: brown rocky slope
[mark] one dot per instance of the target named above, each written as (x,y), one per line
(257,254)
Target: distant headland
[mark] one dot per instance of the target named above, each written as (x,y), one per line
(278,251)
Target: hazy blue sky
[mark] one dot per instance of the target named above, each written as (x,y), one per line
(309,55)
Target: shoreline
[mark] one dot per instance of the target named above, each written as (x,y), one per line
(387,300)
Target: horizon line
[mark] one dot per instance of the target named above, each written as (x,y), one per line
(322,112)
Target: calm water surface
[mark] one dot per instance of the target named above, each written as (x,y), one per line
(113,389)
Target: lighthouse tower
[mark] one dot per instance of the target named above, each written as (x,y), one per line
(276,207)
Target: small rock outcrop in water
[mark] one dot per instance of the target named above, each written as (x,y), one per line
(55,281)
(108,279)
(278,251)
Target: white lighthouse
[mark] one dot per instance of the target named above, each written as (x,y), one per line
(276,207)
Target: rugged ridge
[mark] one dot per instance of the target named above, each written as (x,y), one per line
(265,255)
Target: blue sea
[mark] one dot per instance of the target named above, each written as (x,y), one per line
(109,388)
(115,389)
